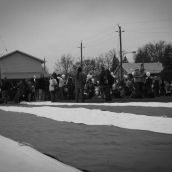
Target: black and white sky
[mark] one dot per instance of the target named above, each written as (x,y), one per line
(50,28)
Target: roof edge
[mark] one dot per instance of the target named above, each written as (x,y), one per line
(18,51)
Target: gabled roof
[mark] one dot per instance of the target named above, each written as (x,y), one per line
(149,67)
(20,52)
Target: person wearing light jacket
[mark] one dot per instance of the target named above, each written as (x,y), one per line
(52,85)
(61,85)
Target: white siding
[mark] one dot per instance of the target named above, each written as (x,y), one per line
(18,65)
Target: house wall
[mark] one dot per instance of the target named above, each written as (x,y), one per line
(17,66)
(154,68)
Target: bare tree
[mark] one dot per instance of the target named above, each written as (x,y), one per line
(89,65)
(151,52)
(157,52)
(108,60)
(64,64)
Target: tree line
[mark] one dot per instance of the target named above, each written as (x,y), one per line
(66,64)
(151,52)
(157,52)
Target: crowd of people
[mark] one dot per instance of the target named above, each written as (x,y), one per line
(80,87)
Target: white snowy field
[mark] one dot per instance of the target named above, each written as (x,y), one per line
(143,104)
(98,117)
(15,157)
(96,146)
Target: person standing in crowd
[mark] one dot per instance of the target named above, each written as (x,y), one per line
(70,88)
(5,90)
(162,88)
(103,83)
(35,89)
(89,87)
(41,88)
(52,85)
(56,91)
(97,89)
(142,79)
(156,86)
(129,85)
(108,86)
(168,88)
(61,86)
(28,90)
(115,89)
(139,77)
(21,91)
(106,82)
(79,85)
(148,86)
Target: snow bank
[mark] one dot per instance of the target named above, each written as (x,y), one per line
(144,104)
(18,158)
(98,117)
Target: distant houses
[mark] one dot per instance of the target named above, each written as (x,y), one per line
(128,68)
(19,65)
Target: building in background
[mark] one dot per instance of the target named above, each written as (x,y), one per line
(19,65)
(128,68)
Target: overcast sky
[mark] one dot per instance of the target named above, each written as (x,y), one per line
(50,28)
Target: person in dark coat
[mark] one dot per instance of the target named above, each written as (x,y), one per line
(70,88)
(41,87)
(103,83)
(6,86)
(106,82)
(90,89)
(162,88)
(109,85)
(21,90)
(79,85)
(36,89)
(148,86)
(156,86)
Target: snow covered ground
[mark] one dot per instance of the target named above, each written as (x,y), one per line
(143,104)
(98,117)
(16,157)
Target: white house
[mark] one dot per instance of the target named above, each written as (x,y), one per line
(128,68)
(19,65)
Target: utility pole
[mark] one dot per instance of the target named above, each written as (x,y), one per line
(120,39)
(44,64)
(44,67)
(81,47)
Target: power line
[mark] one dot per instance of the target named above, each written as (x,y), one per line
(154,32)
(98,36)
(148,21)
(98,42)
